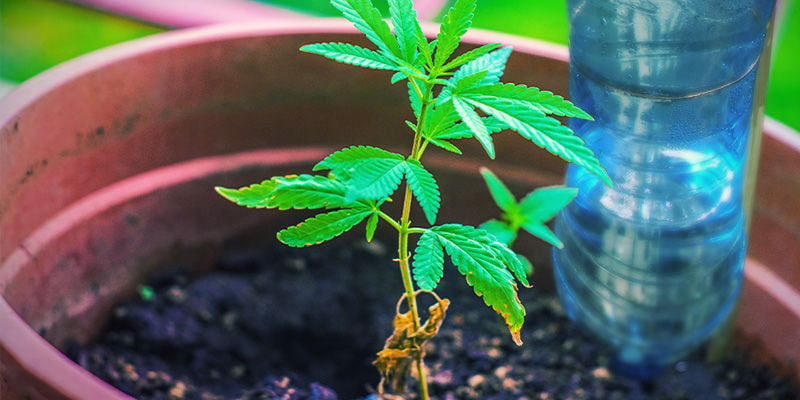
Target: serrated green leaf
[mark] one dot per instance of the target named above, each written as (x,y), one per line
(540,206)
(500,193)
(541,231)
(350,157)
(544,131)
(414,96)
(541,100)
(475,253)
(439,118)
(471,55)
(544,203)
(428,262)
(475,124)
(454,25)
(493,64)
(372,225)
(501,230)
(511,261)
(253,196)
(424,188)
(376,178)
(462,131)
(397,77)
(425,48)
(322,227)
(404,21)
(351,54)
(445,145)
(306,192)
(368,20)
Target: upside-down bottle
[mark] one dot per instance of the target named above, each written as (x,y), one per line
(654,264)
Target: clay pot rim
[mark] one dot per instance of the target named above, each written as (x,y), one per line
(21,96)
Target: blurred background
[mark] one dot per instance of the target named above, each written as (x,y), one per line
(38,34)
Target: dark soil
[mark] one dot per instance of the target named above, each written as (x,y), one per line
(283,323)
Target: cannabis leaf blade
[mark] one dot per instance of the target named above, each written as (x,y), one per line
(493,64)
(501,230)
(367,19)
(345,160)
(540,206)
(424,187)
(454,25)
(545,131)
(323,227)
(470,56)
(292,191)
(499,191)
(376,179)
(351,54)
(404,21)
(253,196)
(476,254)
(541,100)
(428,263)
(475,124)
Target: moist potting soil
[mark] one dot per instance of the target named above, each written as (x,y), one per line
(283,323)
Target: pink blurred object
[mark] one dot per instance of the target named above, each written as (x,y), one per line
(191,13)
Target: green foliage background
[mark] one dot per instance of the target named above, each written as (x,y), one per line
(37,34)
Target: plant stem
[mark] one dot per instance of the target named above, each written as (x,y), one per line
(402,246)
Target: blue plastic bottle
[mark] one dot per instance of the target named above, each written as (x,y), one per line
(653,265)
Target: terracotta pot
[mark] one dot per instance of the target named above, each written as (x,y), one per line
(107,163)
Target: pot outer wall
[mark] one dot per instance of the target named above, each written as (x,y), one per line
(108,164)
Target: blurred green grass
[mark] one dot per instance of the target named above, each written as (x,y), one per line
(37,34)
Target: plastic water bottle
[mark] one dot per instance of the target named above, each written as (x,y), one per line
(653,265)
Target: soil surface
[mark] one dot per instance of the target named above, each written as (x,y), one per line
(282,323)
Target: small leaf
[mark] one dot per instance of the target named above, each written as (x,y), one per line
(445,145)
(372,225)
(454,25)
(351,54)
(424,187)
(544,203)
(306,192)
(461,131)
(322,227)
(253,196)
(350,157)
(470,56)
(428,263)
(475,124)
(499,191)
(414,96)
(367,19)
(397,77)
(404,21)
(540,206)
(439,118)
(493,64)
(501,230)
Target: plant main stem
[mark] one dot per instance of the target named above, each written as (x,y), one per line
(402,247)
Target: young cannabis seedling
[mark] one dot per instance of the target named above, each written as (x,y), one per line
(452,97)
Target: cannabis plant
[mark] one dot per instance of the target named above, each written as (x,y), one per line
(452,96)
